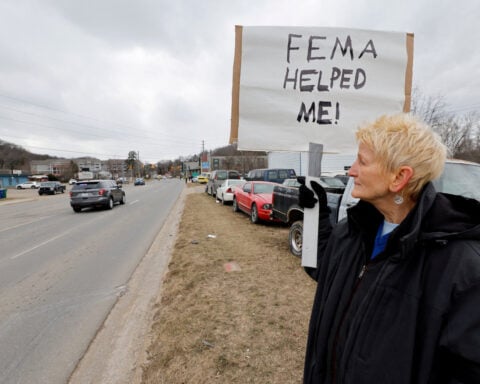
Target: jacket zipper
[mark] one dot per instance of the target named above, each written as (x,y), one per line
(337,334)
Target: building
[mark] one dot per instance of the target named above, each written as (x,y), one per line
(56,167)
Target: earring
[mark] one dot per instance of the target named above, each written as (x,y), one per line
(398,199)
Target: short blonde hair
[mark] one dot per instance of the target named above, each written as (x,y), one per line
(403,140)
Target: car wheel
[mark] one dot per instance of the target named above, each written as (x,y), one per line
(77,209)
(254,214)
(295,236)
(40,193)
(110,203)
(235,205)
(18,187)
(32,187)
(223,200)
(122,200)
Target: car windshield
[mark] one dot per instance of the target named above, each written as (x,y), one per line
(291,183)
(332,182)
(263,188)
(460,179)
(80,185)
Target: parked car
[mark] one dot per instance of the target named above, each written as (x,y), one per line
(255,199)
(122,180)
(203,178)
(274,175)
(51,188)
(28,185)
(217,177)
(96,193)
(72,181)
(225,191)
(139,181)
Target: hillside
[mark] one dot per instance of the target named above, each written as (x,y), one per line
(13,156)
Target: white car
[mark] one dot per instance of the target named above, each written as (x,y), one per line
(225,191)
(28,185)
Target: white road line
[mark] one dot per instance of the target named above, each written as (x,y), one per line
(27,223)
(133,202)
(40,245)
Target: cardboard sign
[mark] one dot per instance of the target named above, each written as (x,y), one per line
(298,85)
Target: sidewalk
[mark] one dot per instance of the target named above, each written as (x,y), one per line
(19,195)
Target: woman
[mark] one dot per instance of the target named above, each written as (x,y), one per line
(398,296)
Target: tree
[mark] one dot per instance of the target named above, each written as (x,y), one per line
(131,161)
(458,132)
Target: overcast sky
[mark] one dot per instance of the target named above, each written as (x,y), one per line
(104,77)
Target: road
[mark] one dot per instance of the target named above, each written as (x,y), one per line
(62,272)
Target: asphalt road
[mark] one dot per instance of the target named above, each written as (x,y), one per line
(61,273)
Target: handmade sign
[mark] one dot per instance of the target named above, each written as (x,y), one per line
(298,85)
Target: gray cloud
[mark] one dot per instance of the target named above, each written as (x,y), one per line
(104,77)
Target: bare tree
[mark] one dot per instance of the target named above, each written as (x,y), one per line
(458,132)
(431,109)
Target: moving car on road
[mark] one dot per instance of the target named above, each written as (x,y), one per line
(255,199)
(139,181)
(96,193)
(51,188)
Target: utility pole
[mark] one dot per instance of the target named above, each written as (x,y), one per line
(201,155)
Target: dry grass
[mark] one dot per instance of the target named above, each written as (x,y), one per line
(248,325)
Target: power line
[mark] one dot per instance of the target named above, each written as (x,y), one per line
(173,139)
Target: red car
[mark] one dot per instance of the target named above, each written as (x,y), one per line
(255,199)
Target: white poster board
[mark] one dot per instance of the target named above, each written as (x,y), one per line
(296,85)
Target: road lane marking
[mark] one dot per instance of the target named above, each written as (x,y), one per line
(27,223)
(39,245)
(133,202)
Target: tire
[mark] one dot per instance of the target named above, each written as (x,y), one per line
(76,209)
(295,238)
(235,205)
(254,214)
(123,200)
(18,187)
(110,203)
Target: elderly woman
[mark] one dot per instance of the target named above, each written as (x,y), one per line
(398,295)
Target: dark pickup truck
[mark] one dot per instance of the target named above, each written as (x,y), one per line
(285,208)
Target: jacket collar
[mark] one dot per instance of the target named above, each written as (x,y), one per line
(365,218)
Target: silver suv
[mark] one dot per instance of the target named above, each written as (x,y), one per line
(96,193)
(217,178)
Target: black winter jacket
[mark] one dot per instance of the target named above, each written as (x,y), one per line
(410,316)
